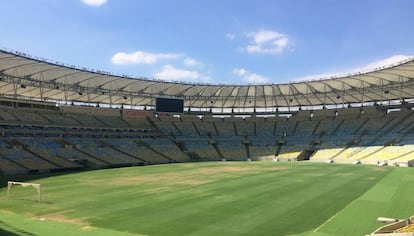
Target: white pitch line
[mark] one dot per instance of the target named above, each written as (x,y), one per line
(327,221)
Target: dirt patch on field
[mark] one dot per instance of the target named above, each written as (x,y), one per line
(165,179)
(276,167)
(60,216)
(191,177)
(342,174)
(94,183)
(219,170)
(87,227)
(7,211)
(223,198)
(193,182)
(158,190)
(188,177)
(380,169)
(315,174)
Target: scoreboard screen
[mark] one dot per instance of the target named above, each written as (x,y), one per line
(171,105)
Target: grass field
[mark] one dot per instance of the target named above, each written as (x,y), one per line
(231,198)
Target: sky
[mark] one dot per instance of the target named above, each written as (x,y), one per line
(214,41)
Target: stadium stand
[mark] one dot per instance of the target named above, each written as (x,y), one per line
(17,153)
(265,127)
(167,127)
(139,150)
(244,127)
(48,149)
(186,128)
(102,151)
(69,141)
(109,124)
(233,150)
(167,148)
(262,149)
(203,150)
(395,227)
(206,128)
(225,128)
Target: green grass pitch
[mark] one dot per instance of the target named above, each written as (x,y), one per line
(213,198)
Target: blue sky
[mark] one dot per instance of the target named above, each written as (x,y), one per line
(215,41)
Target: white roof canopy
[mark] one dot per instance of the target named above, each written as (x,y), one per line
(25,76)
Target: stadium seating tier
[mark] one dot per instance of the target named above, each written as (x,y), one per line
(33,139)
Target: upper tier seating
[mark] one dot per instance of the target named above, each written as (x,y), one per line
(206,128)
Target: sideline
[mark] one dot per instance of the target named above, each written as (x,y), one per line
(347,206)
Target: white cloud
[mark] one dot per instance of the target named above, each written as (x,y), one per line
(191,62)
(169,72)
(239,71)
(256,79)
(94,2)
(230,36)
(267,42)
(139,57)
(249,77)
(386,62)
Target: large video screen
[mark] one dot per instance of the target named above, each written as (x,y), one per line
(171,105)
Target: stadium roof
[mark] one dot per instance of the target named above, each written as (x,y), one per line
(24,76)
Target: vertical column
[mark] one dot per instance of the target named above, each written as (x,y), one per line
(9,185)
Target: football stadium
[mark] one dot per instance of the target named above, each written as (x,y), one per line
(112,155)
(207,118)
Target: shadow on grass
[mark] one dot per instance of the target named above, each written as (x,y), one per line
(6,233)
(14,231)
(31,200)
